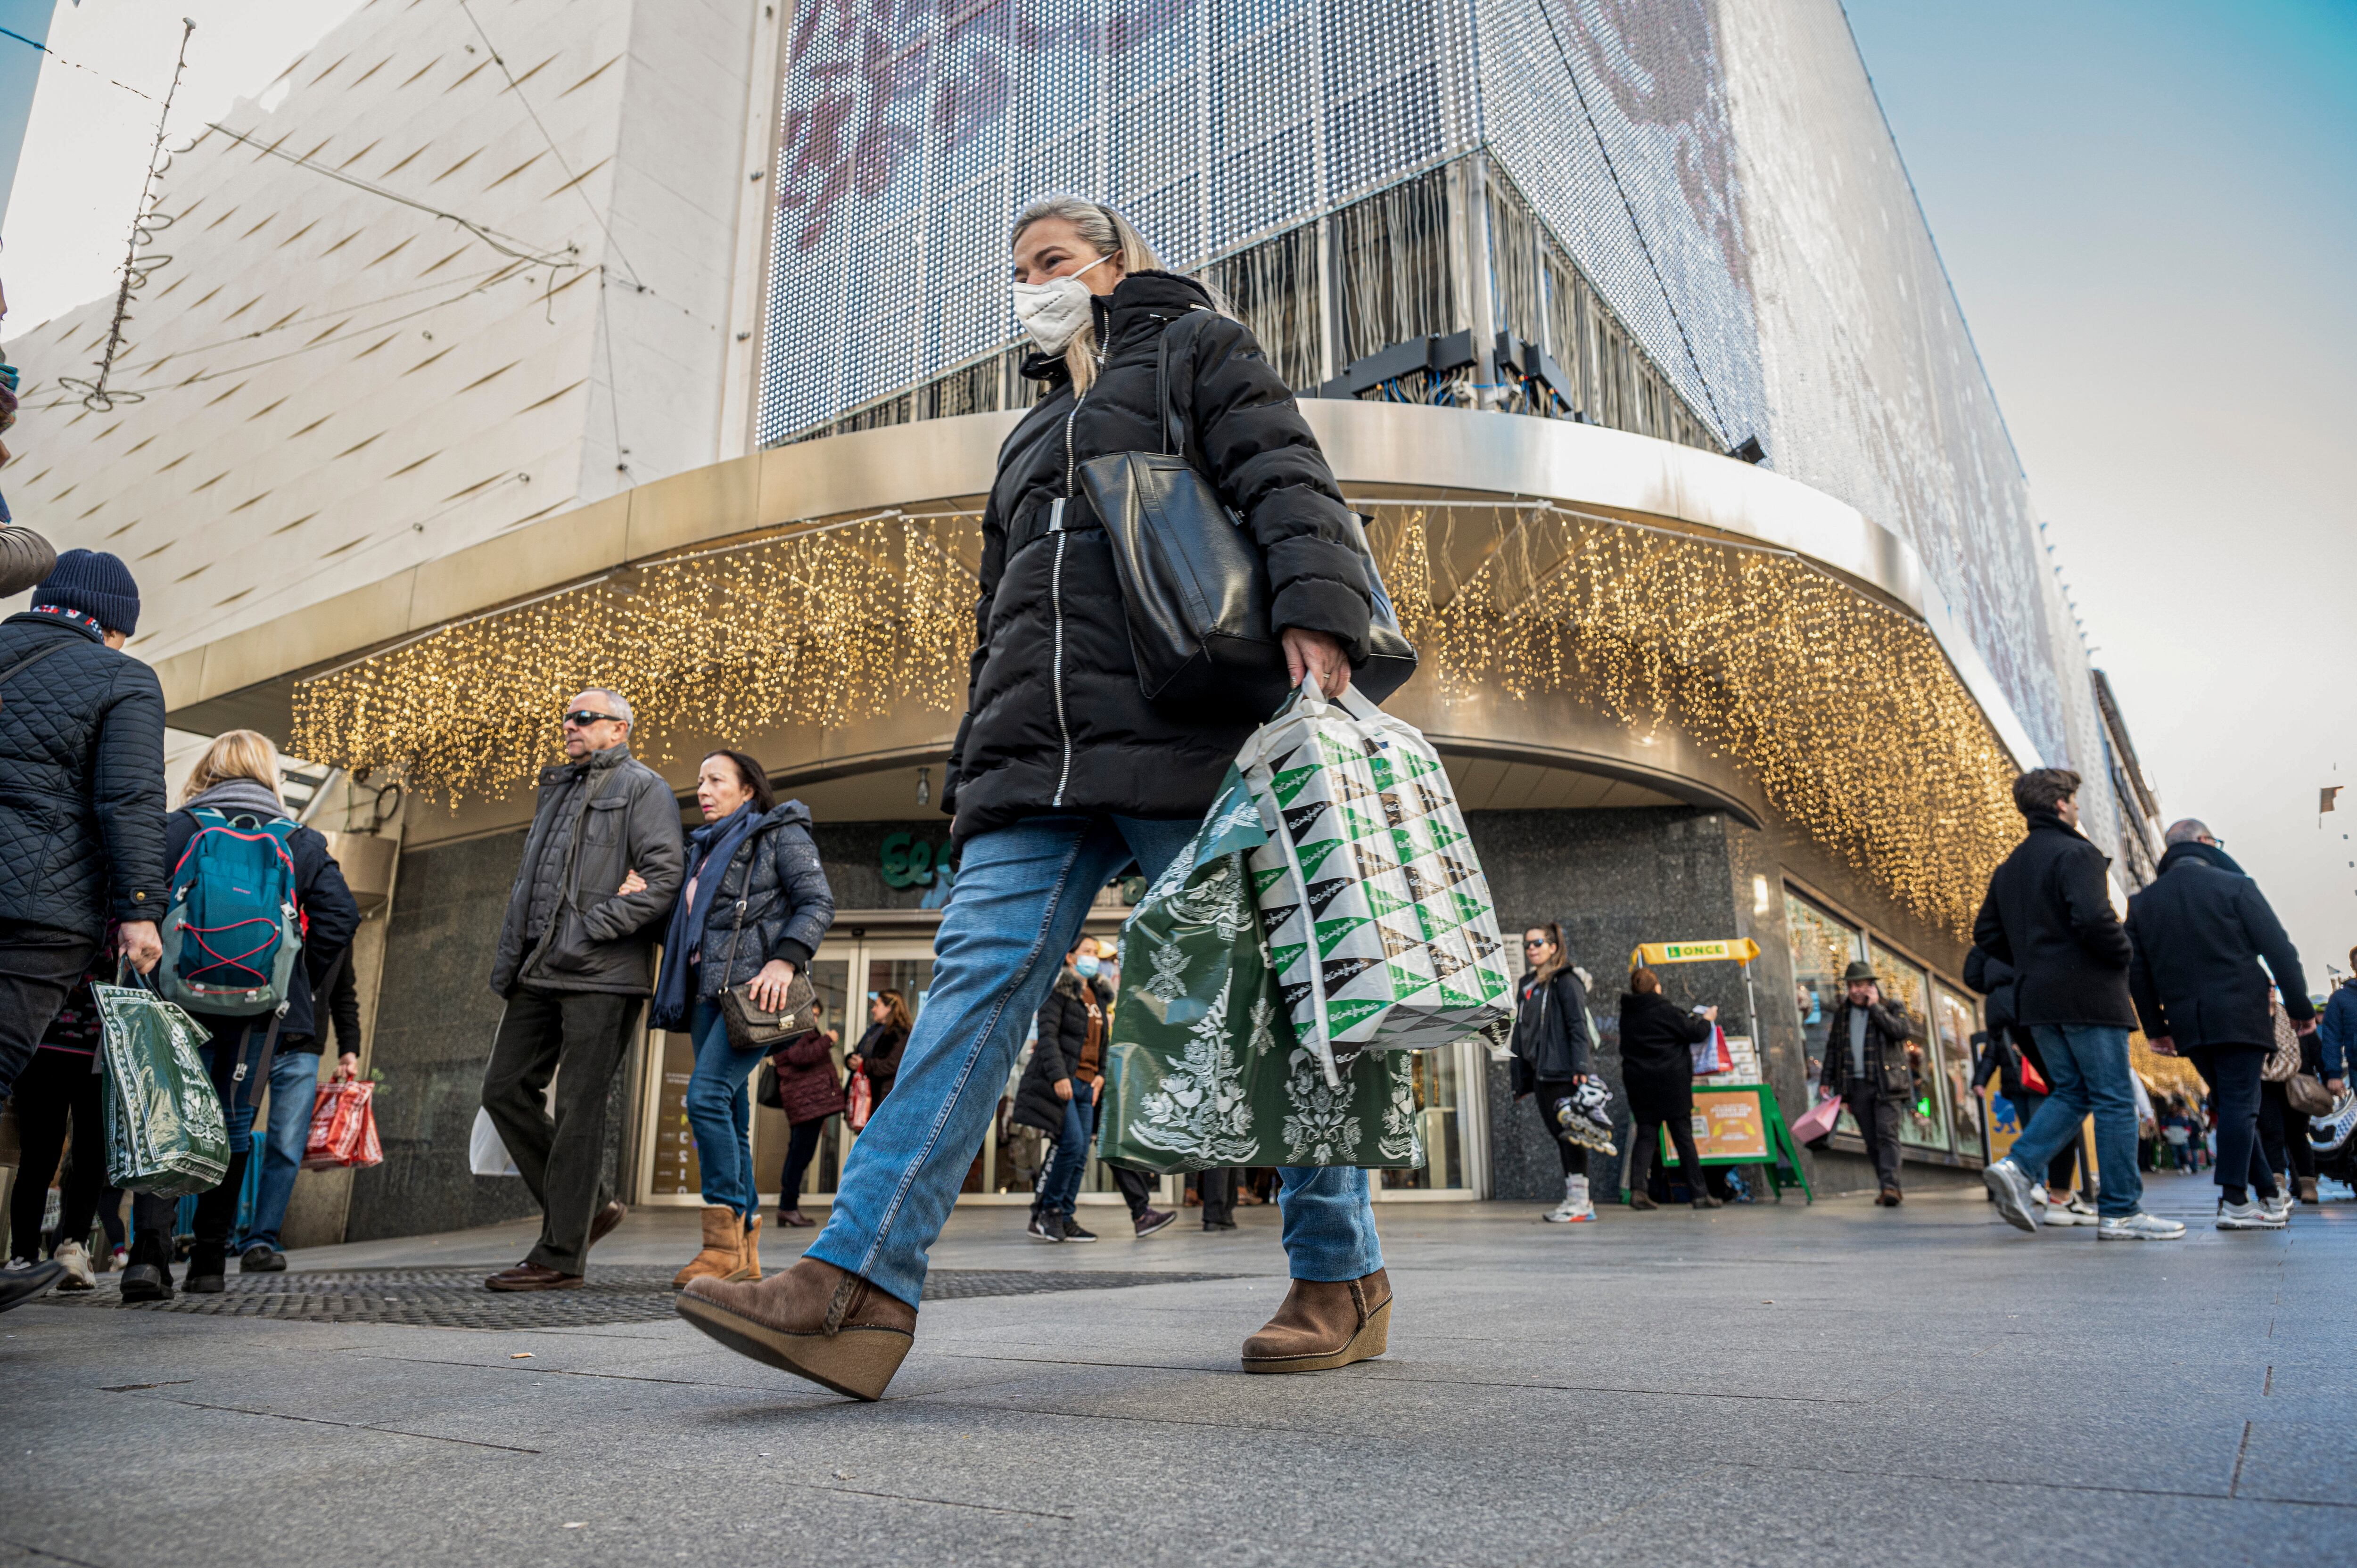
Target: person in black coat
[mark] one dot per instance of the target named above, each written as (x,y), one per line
(877,1054)
(2048,914)
(1059,1092)
(2201,932)
(1550,1055)
(1868,1068)
(1657,1041)
(82,794)
(2007,1054)
(238,776)
(1063,775)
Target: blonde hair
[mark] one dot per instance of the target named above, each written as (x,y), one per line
(234,754)
(1103,230)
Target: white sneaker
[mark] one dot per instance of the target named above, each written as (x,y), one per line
(2011,1187)
(2077,1211)
(2247,1216)
(79,1276)
(1575,1209)
(2278,1207)
(2139,1227)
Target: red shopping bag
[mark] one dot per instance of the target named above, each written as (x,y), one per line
(863,1100)
(343,1128)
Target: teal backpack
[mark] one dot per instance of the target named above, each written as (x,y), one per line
(232,929)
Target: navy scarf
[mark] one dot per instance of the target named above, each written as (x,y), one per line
(710,849)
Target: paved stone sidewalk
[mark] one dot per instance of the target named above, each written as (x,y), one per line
(1765,1385)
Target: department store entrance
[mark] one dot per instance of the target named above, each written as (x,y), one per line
(870,952)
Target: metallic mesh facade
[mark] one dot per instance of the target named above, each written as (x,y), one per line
(911,134)
(1719,173)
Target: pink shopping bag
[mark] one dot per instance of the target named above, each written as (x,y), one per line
(1817,1122)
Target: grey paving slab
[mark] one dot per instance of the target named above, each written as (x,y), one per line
(1766,1384)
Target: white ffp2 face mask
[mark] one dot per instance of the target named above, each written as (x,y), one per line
(1053,311)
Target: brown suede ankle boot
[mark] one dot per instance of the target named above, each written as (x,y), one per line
(816,1321)
(723,1249)
(1321,1326)
(751,1268)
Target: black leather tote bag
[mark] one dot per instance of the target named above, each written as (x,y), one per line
(1193,584)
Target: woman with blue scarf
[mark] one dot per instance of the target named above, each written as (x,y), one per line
(755,907)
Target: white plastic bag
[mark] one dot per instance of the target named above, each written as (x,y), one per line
(486,1155)
(1368,860)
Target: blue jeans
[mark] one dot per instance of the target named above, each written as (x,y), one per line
(1021,895)
(719,1111)
(2087,1068)
(1060,1190)
(294,1088)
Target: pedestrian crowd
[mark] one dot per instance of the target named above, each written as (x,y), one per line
(1064,776)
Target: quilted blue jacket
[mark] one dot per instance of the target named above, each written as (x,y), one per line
(82,779)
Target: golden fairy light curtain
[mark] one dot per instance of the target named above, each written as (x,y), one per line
(1843,707)
(832,623)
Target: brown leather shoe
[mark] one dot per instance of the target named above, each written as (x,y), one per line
(532,1276)
(602,1225)
(1323,1326)
(1892,1197)
(814,1320)
(795,1219)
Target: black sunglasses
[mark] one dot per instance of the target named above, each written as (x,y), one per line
(1536,943)
(582,718)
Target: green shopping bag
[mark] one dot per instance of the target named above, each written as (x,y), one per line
(1202,1068)
(165,1132)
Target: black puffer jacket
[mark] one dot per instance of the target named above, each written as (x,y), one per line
(82,780)
(1550,1030)
(1055,721)
(2199,931)
(2048,914)
(775,879)
(1056,1056)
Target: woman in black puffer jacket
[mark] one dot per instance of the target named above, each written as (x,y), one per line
(754,907)
(1063,775)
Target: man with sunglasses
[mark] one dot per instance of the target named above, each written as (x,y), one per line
(601,866)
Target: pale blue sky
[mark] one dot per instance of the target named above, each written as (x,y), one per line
(2149,213)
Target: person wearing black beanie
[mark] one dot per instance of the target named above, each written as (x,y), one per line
(81,793)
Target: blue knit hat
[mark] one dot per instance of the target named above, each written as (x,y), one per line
(96,584)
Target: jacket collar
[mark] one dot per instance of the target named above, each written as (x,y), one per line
(595,762)
(2048,822)
(2201,853)
(233,795)
(57,615)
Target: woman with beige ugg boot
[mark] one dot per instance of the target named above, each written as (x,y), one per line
(754,907)
(1065,774)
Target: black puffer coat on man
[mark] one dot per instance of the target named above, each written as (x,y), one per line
(1055,722)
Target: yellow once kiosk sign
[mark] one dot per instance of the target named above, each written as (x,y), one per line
(1739,950)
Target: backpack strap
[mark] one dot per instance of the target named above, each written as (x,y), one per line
(30,661)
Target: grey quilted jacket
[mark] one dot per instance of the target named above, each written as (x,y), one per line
(82,779)
(598,821)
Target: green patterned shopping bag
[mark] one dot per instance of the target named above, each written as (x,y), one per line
(165,1132)
(1379,920)
(1202,1068)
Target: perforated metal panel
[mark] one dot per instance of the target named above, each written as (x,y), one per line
(911,135)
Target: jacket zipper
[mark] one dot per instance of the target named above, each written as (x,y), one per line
(1055,596)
